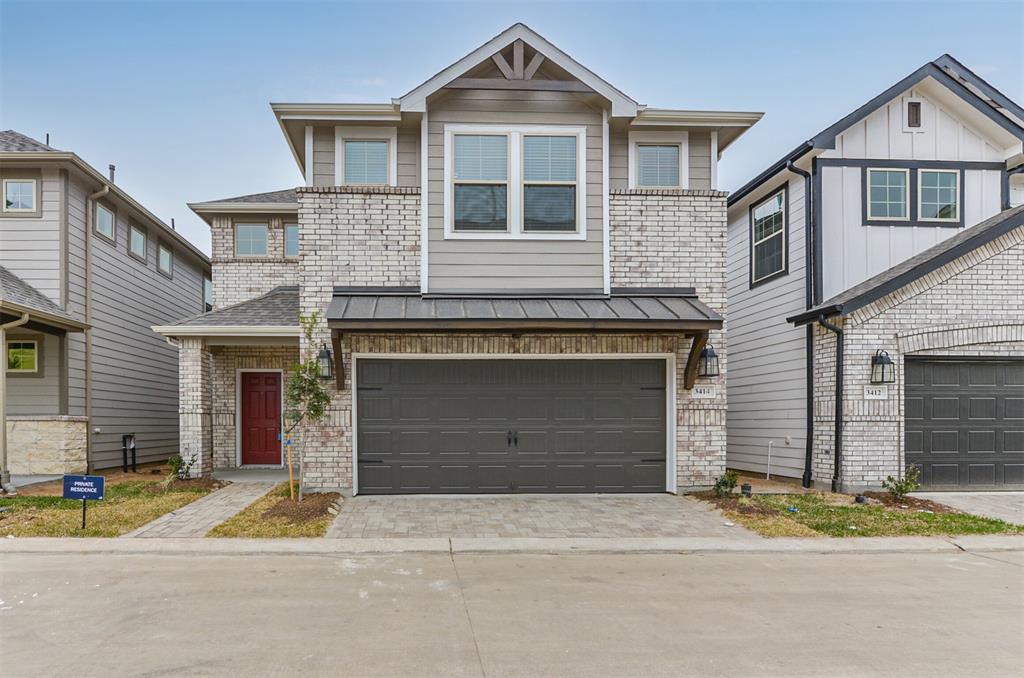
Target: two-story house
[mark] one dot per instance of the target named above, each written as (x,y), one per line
(85,271)
(520,276)
(877,271)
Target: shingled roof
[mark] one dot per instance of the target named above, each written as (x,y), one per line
(285,197)
(16,295)
(278,308)
(15,142)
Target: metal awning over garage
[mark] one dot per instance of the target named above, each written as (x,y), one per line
(674,310)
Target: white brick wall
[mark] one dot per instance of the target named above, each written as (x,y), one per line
(237,278)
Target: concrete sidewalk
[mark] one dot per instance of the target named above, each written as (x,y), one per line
(292,547)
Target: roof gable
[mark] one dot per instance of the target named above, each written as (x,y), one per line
(416,99)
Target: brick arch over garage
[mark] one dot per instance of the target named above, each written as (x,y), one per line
(959,335)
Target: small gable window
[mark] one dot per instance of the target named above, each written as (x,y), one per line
(22,357)
(768,238)
(913,114)
(251,240)
(165,259)
(137,242)
(939,195)
(104,222)
(19,195)
(366,161)
(657,165)
(291,240)
(480,190)
(888,189)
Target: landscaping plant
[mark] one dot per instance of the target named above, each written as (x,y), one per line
(181,469)
(901,487)
(726,484)
(306,397)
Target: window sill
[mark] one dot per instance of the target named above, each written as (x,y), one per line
(472,235)
(917,222)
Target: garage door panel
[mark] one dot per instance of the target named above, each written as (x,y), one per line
(962,422)
(577,425)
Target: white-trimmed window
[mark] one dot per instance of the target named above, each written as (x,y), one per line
(515,182)
(366,156)
(291,240)
(22,356)
(768,237)
(137,242)
(165,259)
(207,294)
(888,191)
(251,239)
(20,195)
(938,195)
(658,160)
(105,222)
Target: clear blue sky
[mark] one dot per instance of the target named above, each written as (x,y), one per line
(176,94)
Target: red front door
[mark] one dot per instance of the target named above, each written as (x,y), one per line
(261,417)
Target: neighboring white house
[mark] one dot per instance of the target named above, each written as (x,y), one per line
(923,162)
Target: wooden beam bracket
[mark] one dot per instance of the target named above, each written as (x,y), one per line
(700,340)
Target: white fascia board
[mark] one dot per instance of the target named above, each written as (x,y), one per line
(416,100)
(247,207)
(688,118)
(228,330)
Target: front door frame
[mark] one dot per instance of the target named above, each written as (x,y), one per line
(238,418)
(670,393)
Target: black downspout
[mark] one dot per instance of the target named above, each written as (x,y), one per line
(808,302)
(837,464)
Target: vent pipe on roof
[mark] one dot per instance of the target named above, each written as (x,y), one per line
(172,224)
(47,138)
(112,168)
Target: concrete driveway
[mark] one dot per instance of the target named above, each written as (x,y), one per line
(607,516)
(739,614)
(1008,506)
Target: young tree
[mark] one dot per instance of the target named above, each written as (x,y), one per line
(306,397)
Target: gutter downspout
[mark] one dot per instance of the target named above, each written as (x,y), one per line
(837,464)
(5,472)
(808,303)
(93,197)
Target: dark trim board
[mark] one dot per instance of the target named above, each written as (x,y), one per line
(816,232)
(913,180)
(755,183)
(784,187)
(946,61)
(911,164)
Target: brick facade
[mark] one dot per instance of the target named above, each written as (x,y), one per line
(982,291)
(237,279)
(195,434)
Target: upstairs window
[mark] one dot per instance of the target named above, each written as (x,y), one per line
(137,242)
(105,222)
(291,240)
(480,182)
(165,259)
(207,294)
(657,166)
(549,183)
(251,240)
(888,189)
(938,195)
(19,195)
(22,357)
(768,238)
(366,161)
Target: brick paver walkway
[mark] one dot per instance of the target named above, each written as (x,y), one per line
(202,515)
(602,516)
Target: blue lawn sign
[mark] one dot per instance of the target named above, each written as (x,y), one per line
(85,488)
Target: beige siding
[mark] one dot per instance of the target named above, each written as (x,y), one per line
(38,392)
(482,265)
(30,245)
(409,156)
(323,156)
(700,159)
(699,142)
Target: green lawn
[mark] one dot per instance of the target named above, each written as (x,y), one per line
(837,516)
(126,506)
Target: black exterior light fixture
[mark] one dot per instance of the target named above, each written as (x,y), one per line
(707,366)
(326,363)
(883,371)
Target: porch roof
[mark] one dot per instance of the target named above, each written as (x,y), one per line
(632,309)
(275,313)
(18,297)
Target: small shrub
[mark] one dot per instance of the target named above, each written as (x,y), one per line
(726,484)
(180,468)
(901,487)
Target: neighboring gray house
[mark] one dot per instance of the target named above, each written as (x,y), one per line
(889,258)
(518,269)
(86,271)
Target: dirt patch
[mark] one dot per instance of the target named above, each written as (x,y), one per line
(312,507)
(736,504)
(55,488)
(909,503)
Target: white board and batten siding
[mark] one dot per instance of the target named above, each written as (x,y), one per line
(766,354)
(855,251)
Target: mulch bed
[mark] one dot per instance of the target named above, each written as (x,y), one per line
(732,503)
(312,507)
(909,503)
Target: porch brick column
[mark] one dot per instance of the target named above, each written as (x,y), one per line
(195,416)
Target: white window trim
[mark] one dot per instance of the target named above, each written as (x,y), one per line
(906,193)
(681,139)
(284,244)
(388,134)
(515,181)
(904,117)
(920,179)
(35,196)
(780,234)
(113,222)
(35,349)
(160,248)
(234,236)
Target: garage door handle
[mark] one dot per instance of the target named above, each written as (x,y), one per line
(515,438)
(508,438)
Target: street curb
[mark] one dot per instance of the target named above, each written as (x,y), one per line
(492,546)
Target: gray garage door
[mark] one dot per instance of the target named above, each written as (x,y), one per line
(965,423)
(462,426)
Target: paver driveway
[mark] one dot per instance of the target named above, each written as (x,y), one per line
(536,516)
(1008,506)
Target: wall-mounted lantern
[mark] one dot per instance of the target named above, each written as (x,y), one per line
(707,366)
(326,361)
(883,371)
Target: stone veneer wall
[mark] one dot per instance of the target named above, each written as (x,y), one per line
(678,238)
(47,445)
(227,360)
(973,306)
(237,279)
